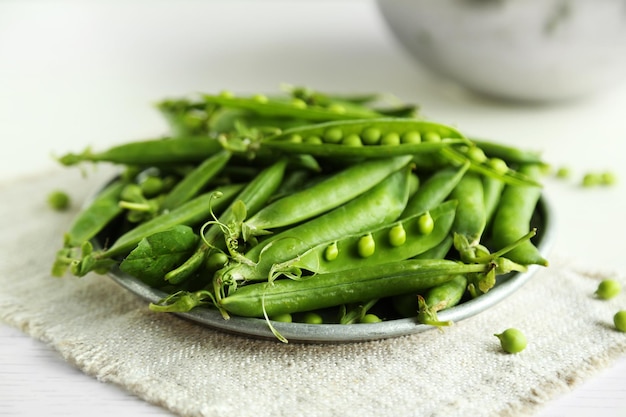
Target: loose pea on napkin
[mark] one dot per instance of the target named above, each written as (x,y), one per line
(193,370)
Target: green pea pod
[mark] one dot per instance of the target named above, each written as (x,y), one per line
(441,297)
(296,109)
(186,116)
(77,251)
(379,205)
(512,219)
(471,218)
(194,262)
(190,213)
(372,138)
(98,214)
(411,243)
(343,287)
(435,190)
(492,189)
(150,152)
(322,197)
(446,295)
(195,181)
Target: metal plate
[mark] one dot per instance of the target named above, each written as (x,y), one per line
(336,333)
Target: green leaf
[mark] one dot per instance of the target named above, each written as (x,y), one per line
(159,253)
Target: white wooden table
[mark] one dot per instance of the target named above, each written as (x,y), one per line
(74,73)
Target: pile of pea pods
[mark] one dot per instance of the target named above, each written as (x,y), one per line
(308,207)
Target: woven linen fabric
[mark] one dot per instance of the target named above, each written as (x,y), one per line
(193,370)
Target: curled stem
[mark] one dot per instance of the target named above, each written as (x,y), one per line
(428,314)
(183,301)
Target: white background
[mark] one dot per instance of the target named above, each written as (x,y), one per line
(79,73)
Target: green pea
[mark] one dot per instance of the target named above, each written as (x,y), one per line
(331,252)
(371,136)
(512,340)
(619,319)
(425,223)
(563,172)
(312,318)
(216,261)
(333,135)
(498,165)
(58,200)
(260,98)
(608,288)
(476,154)
(591,179)
(391,138)
(397,235)
(412,136)
(337,108)
(313,139)
(151,186)
(432,137)
(370,318)
(298,103)
(352,140)
(366,246)
(285,318)
(295,138)
(608,178)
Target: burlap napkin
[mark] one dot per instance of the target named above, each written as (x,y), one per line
(196,371)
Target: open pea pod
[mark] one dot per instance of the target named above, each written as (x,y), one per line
(371,138)
(393,242)
(295,108)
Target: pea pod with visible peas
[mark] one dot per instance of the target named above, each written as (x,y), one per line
(373,138)
(295,108)
(396,241)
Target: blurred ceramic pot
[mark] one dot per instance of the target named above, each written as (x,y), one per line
(537,50)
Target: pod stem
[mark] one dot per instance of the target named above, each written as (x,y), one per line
(428,314)
(183,301)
